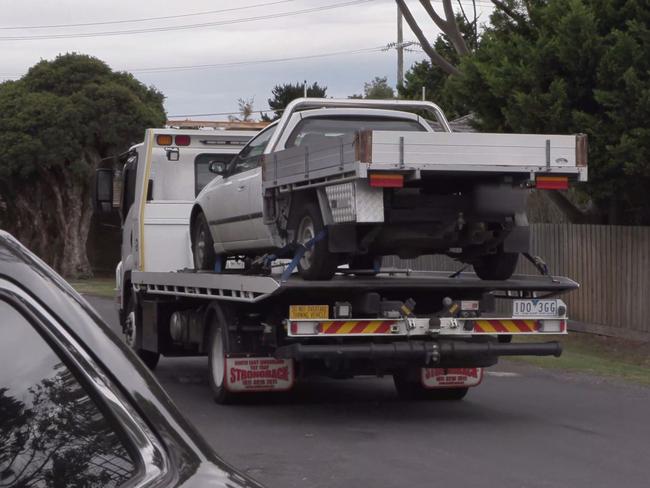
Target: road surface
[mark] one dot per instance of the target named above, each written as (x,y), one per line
(523,427)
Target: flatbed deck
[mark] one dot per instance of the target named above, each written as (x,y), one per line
(254,288)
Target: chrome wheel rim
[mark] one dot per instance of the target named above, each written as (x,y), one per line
(218,365)
(306,232)
(130,329)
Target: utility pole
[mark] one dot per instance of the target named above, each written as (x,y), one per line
(400,49)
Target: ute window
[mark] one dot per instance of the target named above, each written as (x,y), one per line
(319,129)
(202,174)
(52,433)
(251,156)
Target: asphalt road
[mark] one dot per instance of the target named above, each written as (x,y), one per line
(523,427)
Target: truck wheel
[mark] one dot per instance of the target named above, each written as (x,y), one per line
(202,245)
(218,348)
(317,263)
(409,387)
(132,330)
(498,266)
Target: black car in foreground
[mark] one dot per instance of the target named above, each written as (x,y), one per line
(77,408)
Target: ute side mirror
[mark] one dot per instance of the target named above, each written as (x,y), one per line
(218,167)
(104,191)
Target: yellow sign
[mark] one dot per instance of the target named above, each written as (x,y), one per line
(309,312)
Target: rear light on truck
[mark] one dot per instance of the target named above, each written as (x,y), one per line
(552,182)
(384,180)
(164,140)
(182,140)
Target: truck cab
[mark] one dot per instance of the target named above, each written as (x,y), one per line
(159,181)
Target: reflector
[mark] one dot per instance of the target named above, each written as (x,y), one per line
(164,140)
(386,180)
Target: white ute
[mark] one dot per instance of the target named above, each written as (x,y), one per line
(356,180)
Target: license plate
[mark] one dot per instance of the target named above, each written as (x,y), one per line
(309,312)
(535,308)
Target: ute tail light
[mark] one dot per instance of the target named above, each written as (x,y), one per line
(164,140)
(386,180)
(183,140)
(552,182)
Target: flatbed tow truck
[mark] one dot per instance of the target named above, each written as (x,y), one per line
(262,331)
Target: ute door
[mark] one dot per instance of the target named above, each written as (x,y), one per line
(232,206)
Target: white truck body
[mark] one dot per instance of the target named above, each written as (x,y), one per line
(156,205)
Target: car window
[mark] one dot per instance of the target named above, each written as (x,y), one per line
(202,173)
(251,156)
(312,130)
(51,432)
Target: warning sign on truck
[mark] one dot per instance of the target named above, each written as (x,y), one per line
(451,377)
(259,374)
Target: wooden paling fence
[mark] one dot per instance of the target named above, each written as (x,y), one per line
(611,263)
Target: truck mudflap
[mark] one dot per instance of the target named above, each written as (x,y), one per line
(422,353)
(434,378)
(257,374)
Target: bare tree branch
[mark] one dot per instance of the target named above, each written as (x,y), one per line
(436,58)
(448,25)
(510,12)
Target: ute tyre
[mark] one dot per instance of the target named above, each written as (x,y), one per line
(317,263)
(498,266)
(219,345)
(410,388)
(202,245)
(132,333)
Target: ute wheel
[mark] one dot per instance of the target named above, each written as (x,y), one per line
(409,387)
(219,345)
(203,253)
(498,266)
(317,263)
(132,331)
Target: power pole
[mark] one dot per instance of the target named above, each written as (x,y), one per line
(400,49)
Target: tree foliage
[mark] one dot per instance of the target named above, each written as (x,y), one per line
(56,124)
(284,94)
(568,66)
(377,89)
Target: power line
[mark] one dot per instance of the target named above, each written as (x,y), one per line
(164,69)
(147,19)
(184,27)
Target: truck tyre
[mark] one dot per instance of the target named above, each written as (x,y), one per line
(132,331)
(202,245)
(409,387)
(219,345)
(498,266)
(317,263)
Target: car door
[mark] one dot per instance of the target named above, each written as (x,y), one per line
(236,208)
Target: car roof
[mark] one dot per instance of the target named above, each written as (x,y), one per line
(24,269)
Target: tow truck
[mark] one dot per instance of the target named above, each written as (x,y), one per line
(434,332)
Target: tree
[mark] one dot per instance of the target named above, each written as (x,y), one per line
(282,95)
(56,124)
(565,67)
(377,89)
(245,106)
(431,77)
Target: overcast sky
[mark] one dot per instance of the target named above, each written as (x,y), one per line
(356,26)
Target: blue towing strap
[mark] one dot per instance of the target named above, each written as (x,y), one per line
(300,252)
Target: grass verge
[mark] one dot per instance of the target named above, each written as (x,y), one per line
(599,355)
(100,287)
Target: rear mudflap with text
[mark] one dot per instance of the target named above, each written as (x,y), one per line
(259,374)
(451,377)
